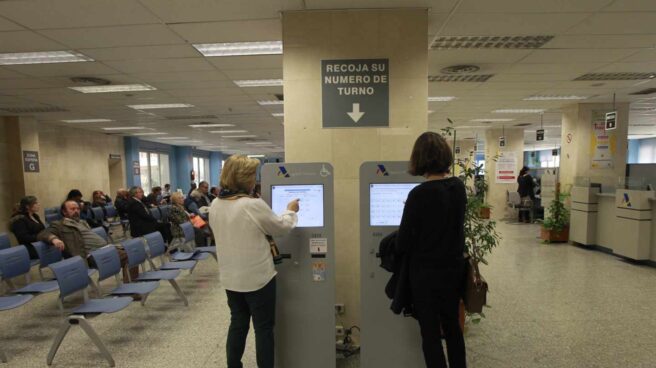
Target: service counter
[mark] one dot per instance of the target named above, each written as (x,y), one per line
(622,222)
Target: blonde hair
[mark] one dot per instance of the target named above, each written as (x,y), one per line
(195,194)
(175,196)
(239,173)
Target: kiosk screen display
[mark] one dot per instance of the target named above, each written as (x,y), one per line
(311,204)
(386,202)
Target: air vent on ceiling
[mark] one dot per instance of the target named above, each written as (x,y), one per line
(522,124)
(32,110)
(460,69)
(460,78)
(615,76)
(191,117)
(647,91)
(490,42)
(91,81)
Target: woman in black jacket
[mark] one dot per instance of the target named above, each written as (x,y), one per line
(525,187)
(26,224)
(432,236)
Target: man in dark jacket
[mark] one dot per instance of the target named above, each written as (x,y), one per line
(141,221)
(121,203)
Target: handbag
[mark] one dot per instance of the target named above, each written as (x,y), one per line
(198,222)
(275,252)
(476,287)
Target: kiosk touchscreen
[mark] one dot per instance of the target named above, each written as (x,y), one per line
(305,308)
(387,339)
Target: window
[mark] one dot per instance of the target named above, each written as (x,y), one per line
(202,169)
(154,170)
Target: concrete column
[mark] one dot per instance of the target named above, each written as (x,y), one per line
(578,149)
(496,195)
(308,38)
(184,164)
(215,168)
(131,146)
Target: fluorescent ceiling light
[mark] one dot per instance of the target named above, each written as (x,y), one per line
(153,133)
(115,88)
(240,136)
(278,114)
(228,131)
(270,102)
(489,120)
(78,121)
(173,138)
(441,98)
(256,156)
(211,125)
(518,111)
(263,143)
(555,98)
(46,57)
(240,48)
(124,128)
(160,106)
(259,83)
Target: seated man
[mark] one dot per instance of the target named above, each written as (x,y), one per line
(154,199)
(141,221)
(121,203)
(74,237)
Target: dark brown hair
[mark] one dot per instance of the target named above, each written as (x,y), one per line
(431,154)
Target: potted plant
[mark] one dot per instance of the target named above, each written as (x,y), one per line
(555,227)
(481,187)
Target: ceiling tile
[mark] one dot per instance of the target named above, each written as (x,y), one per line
(442,6)
(235,31)
(621,23)
(142,52)
(578,56)
(483,24)
(602,42)
(247,62)
(7,25)
(160,65)
(551,68)
(522,6)
(629,67)
(181,11)
(27,41)
(475,56)
(64,69)
(643,56)
(44,14)
(138,35)
(631,6)
(23,83)
(160,79)
(236,74)
(9,74)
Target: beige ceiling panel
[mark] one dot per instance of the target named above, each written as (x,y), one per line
(631,6)
(182,11)
(27,41)
(259,90)
(602,42)
(168,80)
(254,74)
(230,31)
(64,69)
(65,81)
(137,35)
(23,83)
(44,14)
(228,92)
(475,56)
(142,52)
(623,67)
(500,24)
(578,56)
(441,6)
(6,25)
(435,22)
(523,6)
(160,65)
(643,56)
(617,23)
(510,86)
(553,68)
(247,62)
(191,85)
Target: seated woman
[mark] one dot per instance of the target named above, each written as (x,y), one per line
(178,215)
(26,224)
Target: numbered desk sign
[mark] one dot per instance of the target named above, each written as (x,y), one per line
(611,120)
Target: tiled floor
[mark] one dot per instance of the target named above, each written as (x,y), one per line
(552,306)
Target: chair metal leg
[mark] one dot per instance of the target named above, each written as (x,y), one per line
(3,357)
(96,339)
(63,330)
(216,258)
(143,299)
(41,274)
(95,287)
(179,291)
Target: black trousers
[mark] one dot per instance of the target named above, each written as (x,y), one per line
(434,308)
(261,306)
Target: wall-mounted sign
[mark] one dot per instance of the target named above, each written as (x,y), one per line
(502,141)
(539,135)
(136,169)
(611,120)
(114,156)
(506,168)
(31,161)
(457,150)
(554,152)
(355,93)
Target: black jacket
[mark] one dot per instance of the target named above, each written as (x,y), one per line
(121,205)
(398,287)
(141,221)
(25,230)
(525,186)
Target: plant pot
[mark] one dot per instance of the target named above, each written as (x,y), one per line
(553,236)
(485,212)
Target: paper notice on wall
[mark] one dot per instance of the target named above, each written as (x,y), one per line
(318,246)
(602,143)
(506,168)
(319,271)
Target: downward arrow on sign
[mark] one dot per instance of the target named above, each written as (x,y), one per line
(355,114)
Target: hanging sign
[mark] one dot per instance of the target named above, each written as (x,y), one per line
(611,120)
(502,141)
(31,161)
(136,169)
(355,93)
(457,150)
(539,135)
(603,144)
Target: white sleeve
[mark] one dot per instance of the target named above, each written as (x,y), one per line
(269,222)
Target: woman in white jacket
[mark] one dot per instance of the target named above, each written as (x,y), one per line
(240,223)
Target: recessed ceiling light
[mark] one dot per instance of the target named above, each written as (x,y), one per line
(114,88)
(228,131)
(47,57)
(490,120)
(259,83)
(555,98)
(518,111)
(270,102)
(153,133)
(441,98)
(256,156)
(124,128)
(211,125)
(77,121)
(278,114)
(240,48)
(160,106)
(240,136)
(172,138)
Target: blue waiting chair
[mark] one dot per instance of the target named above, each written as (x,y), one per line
(50,210)
(114,219)
(190,238)
(11,302)
(100,231)
(187,244)
(52,217)
(72,277)
(137,257)
(157,249)
(109,264)
(165,212)
(15,262)
(4,241)
(155,212)
(49,254)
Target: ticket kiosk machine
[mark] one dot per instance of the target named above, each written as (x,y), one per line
(305,310)
(387,340)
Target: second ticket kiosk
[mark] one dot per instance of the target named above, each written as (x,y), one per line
(305,309)
(387,340)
